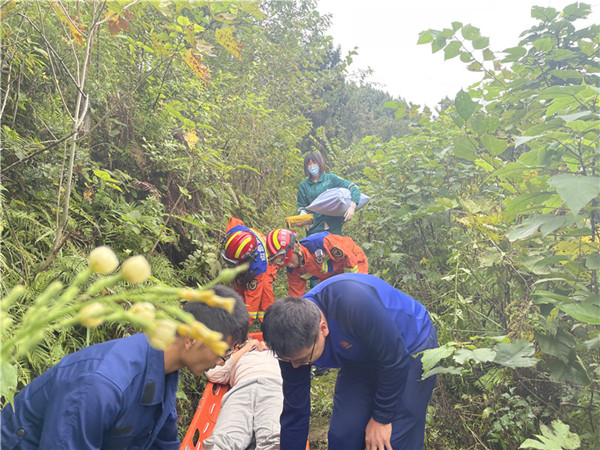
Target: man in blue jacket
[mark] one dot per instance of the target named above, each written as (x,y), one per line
(368,329)
(117,394)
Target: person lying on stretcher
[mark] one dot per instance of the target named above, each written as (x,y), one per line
(251,408)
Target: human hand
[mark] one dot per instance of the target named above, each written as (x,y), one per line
(349,212)
(378,435)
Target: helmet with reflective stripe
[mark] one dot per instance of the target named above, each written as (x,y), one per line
(239,247)
(280,243)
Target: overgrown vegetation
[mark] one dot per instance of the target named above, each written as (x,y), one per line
(144,126)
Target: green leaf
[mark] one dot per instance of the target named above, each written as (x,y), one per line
(452,50)
(557,438)
(481,42)
(470,32)
(560,345)
(543,44)
(494,145)
(547,224)
(425,37)
(516,354)
(433,356)
(592,262)
(464,105)
(463,148)
(522,203)
(524,139)
(438,44)
(8,380)
(575,190)
(571,371)
(488,55)
(439,369)
(584,312)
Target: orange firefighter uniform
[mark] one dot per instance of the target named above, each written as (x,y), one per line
(323,255)
(256,284)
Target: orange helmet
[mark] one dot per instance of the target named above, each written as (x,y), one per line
(239,247)
(280,243)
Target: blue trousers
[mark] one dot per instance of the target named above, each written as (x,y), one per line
(353,405)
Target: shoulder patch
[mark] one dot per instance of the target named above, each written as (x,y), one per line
(252,285)
(346,345)
(337,252)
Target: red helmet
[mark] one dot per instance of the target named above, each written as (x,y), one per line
(280,243)
(239,247)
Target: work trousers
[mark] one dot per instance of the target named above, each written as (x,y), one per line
(353,406)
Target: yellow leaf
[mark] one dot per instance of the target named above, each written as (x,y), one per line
(191,138)
(195,62)
(75,31)
(224,36)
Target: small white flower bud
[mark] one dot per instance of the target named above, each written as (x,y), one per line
(136,269)
(144,311)
(162,334)
(88,315)
(103,260)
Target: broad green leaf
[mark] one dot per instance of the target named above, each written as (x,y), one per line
(543,44)
(575,116)
(481,42)
(482,123)
(479,355)
(575,190)
(463,148)
(524,139)
(560,345)
(592,262)
(494,145)
(464,105)
(516,354)
(252,8)
(433,356)
(556,438)
(523,202)
(547,224)
(439,369)
(470,32)
(488,55)
(438,44)
(573,371)
(452,50)
(425,37)
(584,312)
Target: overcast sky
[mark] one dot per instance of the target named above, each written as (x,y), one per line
(386,34)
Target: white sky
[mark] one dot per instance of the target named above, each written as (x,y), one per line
(386,34)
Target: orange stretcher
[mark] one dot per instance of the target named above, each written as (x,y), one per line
(206,415)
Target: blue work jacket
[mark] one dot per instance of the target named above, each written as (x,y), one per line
(113,395)
(371,325)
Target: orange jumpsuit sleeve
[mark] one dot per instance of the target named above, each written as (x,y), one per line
(233,222)
(296,284)
(346,253)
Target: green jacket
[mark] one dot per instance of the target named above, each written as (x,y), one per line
(309,190)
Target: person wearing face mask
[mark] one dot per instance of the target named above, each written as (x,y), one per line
(317,182)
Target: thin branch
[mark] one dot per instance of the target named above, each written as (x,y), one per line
(42,150)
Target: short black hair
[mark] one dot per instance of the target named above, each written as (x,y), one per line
(290,325)
(314,156)
(235,324)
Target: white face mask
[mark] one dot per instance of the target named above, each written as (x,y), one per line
(313,170)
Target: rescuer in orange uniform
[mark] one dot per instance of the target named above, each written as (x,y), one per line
(318,256)
(246,245)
